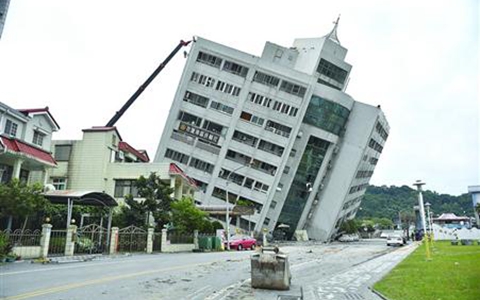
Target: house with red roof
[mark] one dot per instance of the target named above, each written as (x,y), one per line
(103,161)
(25,143)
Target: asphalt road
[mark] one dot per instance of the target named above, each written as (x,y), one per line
(333,271)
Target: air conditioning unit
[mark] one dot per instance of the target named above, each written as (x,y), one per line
(310,215)
(321,186)
(336,150)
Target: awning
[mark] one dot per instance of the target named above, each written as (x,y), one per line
(90,198)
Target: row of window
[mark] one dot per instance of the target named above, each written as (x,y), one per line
(194,162)
(263,145)
(221,86)
(228,66)
(243,181)
(352,202)
(11,129)
(234,198)
(383,133)
(277,106)
(326,115)
(221,107)
(196,99)
(364,174)
(375,146)
(252,118)
(332,71)
(373,160)
(260,77)
(254,163)
(357,188)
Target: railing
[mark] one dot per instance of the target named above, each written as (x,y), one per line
(21,237)
(176,238)
(207,147)
(183,138)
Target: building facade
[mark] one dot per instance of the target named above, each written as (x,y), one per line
(25,142)
(3,14)
(102,161)
(277,132)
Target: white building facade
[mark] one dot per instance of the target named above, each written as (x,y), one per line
(277,132)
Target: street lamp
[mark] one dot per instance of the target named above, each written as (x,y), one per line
(227,213)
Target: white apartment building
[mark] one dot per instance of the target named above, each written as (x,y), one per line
(102,161)
(276,131)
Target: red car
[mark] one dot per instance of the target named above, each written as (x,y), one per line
(241,242)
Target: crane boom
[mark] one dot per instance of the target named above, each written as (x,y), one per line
(140,90)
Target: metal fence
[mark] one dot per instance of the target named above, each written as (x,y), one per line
(132,239)
(25,237)
(91,239)
(176,238)
(58,238)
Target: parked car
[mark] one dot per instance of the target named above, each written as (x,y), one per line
(241,242)
(395,239)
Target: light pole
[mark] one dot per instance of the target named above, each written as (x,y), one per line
(227,212)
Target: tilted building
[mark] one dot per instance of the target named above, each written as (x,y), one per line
(277,132)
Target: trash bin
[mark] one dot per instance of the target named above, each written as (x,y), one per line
(270,270)
(216,243)
(205,243)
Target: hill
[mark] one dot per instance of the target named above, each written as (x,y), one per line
(383,201)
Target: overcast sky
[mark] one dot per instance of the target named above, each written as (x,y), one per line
(418,59)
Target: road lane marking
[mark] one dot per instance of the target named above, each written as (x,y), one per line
(96,281)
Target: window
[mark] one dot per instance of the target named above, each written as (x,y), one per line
(278,128)
(244,138)
(62,152)
(292,88)
(176,156)
(209,59)
(252,118)
(221,107)
(271,148)
(234,68)
(330,70)
(189,118)
(267,221)
(212,126)
(375,146)
(266,79)
(202,186)
(259,99)
(201,165)
(203,79)
(273,204)
(60,184)
(248,183)
(326,115)
(196,99)
(11,128)
(261,187)
(38,138)
(227,88)
(125,187)
(383,133)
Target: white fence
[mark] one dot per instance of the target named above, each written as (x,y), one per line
(443,233)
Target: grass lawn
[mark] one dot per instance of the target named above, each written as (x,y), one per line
(453,273)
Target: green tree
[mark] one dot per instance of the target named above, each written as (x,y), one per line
(349,226)
(186,217)
(157,196)
(17,199)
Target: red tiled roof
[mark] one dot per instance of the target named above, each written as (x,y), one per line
(174,169)
(18,147)
(28,111)
(124,146)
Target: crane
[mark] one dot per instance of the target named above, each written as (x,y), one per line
(140,90)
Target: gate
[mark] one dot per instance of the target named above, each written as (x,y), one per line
(157,242)
(91,239)
(58,238)
(132,239)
